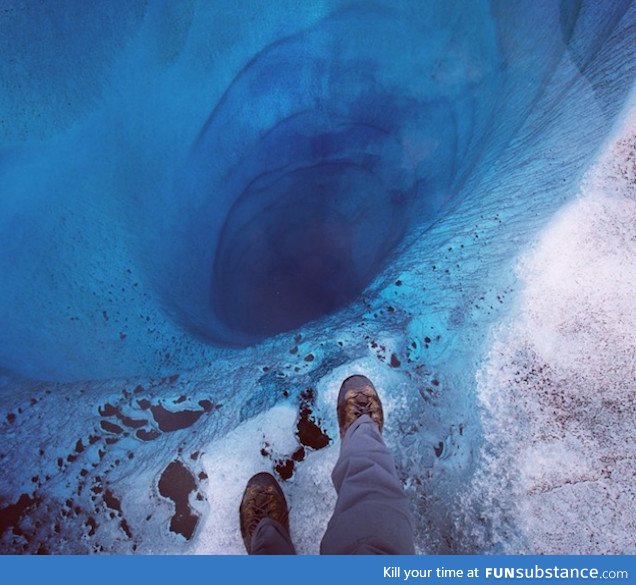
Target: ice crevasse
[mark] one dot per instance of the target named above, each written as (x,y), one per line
(211,214)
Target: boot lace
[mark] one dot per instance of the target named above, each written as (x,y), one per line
(265,506)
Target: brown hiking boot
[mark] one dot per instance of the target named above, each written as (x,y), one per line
(357,397)
(262,498)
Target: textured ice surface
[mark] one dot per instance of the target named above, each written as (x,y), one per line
(558,389)
(130,175)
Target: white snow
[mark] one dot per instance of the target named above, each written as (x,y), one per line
(558,389)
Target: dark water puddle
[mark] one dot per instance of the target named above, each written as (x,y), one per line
(145,435)
(125,527)
(10,515)
(299,454)
(169,421)
(176,483)
(108,410)
(92,525)
(308,431)
(207,405)
(284,468)
(112,501)
(133,423)
(111,427)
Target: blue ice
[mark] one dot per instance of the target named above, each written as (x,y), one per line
(250,196)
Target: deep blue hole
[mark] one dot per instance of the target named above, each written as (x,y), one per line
(310,173)
(302,246)
(305,239)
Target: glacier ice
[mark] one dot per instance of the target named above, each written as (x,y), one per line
(208,210)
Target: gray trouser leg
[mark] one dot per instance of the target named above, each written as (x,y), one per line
(271,538)
(371,514)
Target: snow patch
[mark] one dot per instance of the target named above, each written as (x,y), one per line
(558,390)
